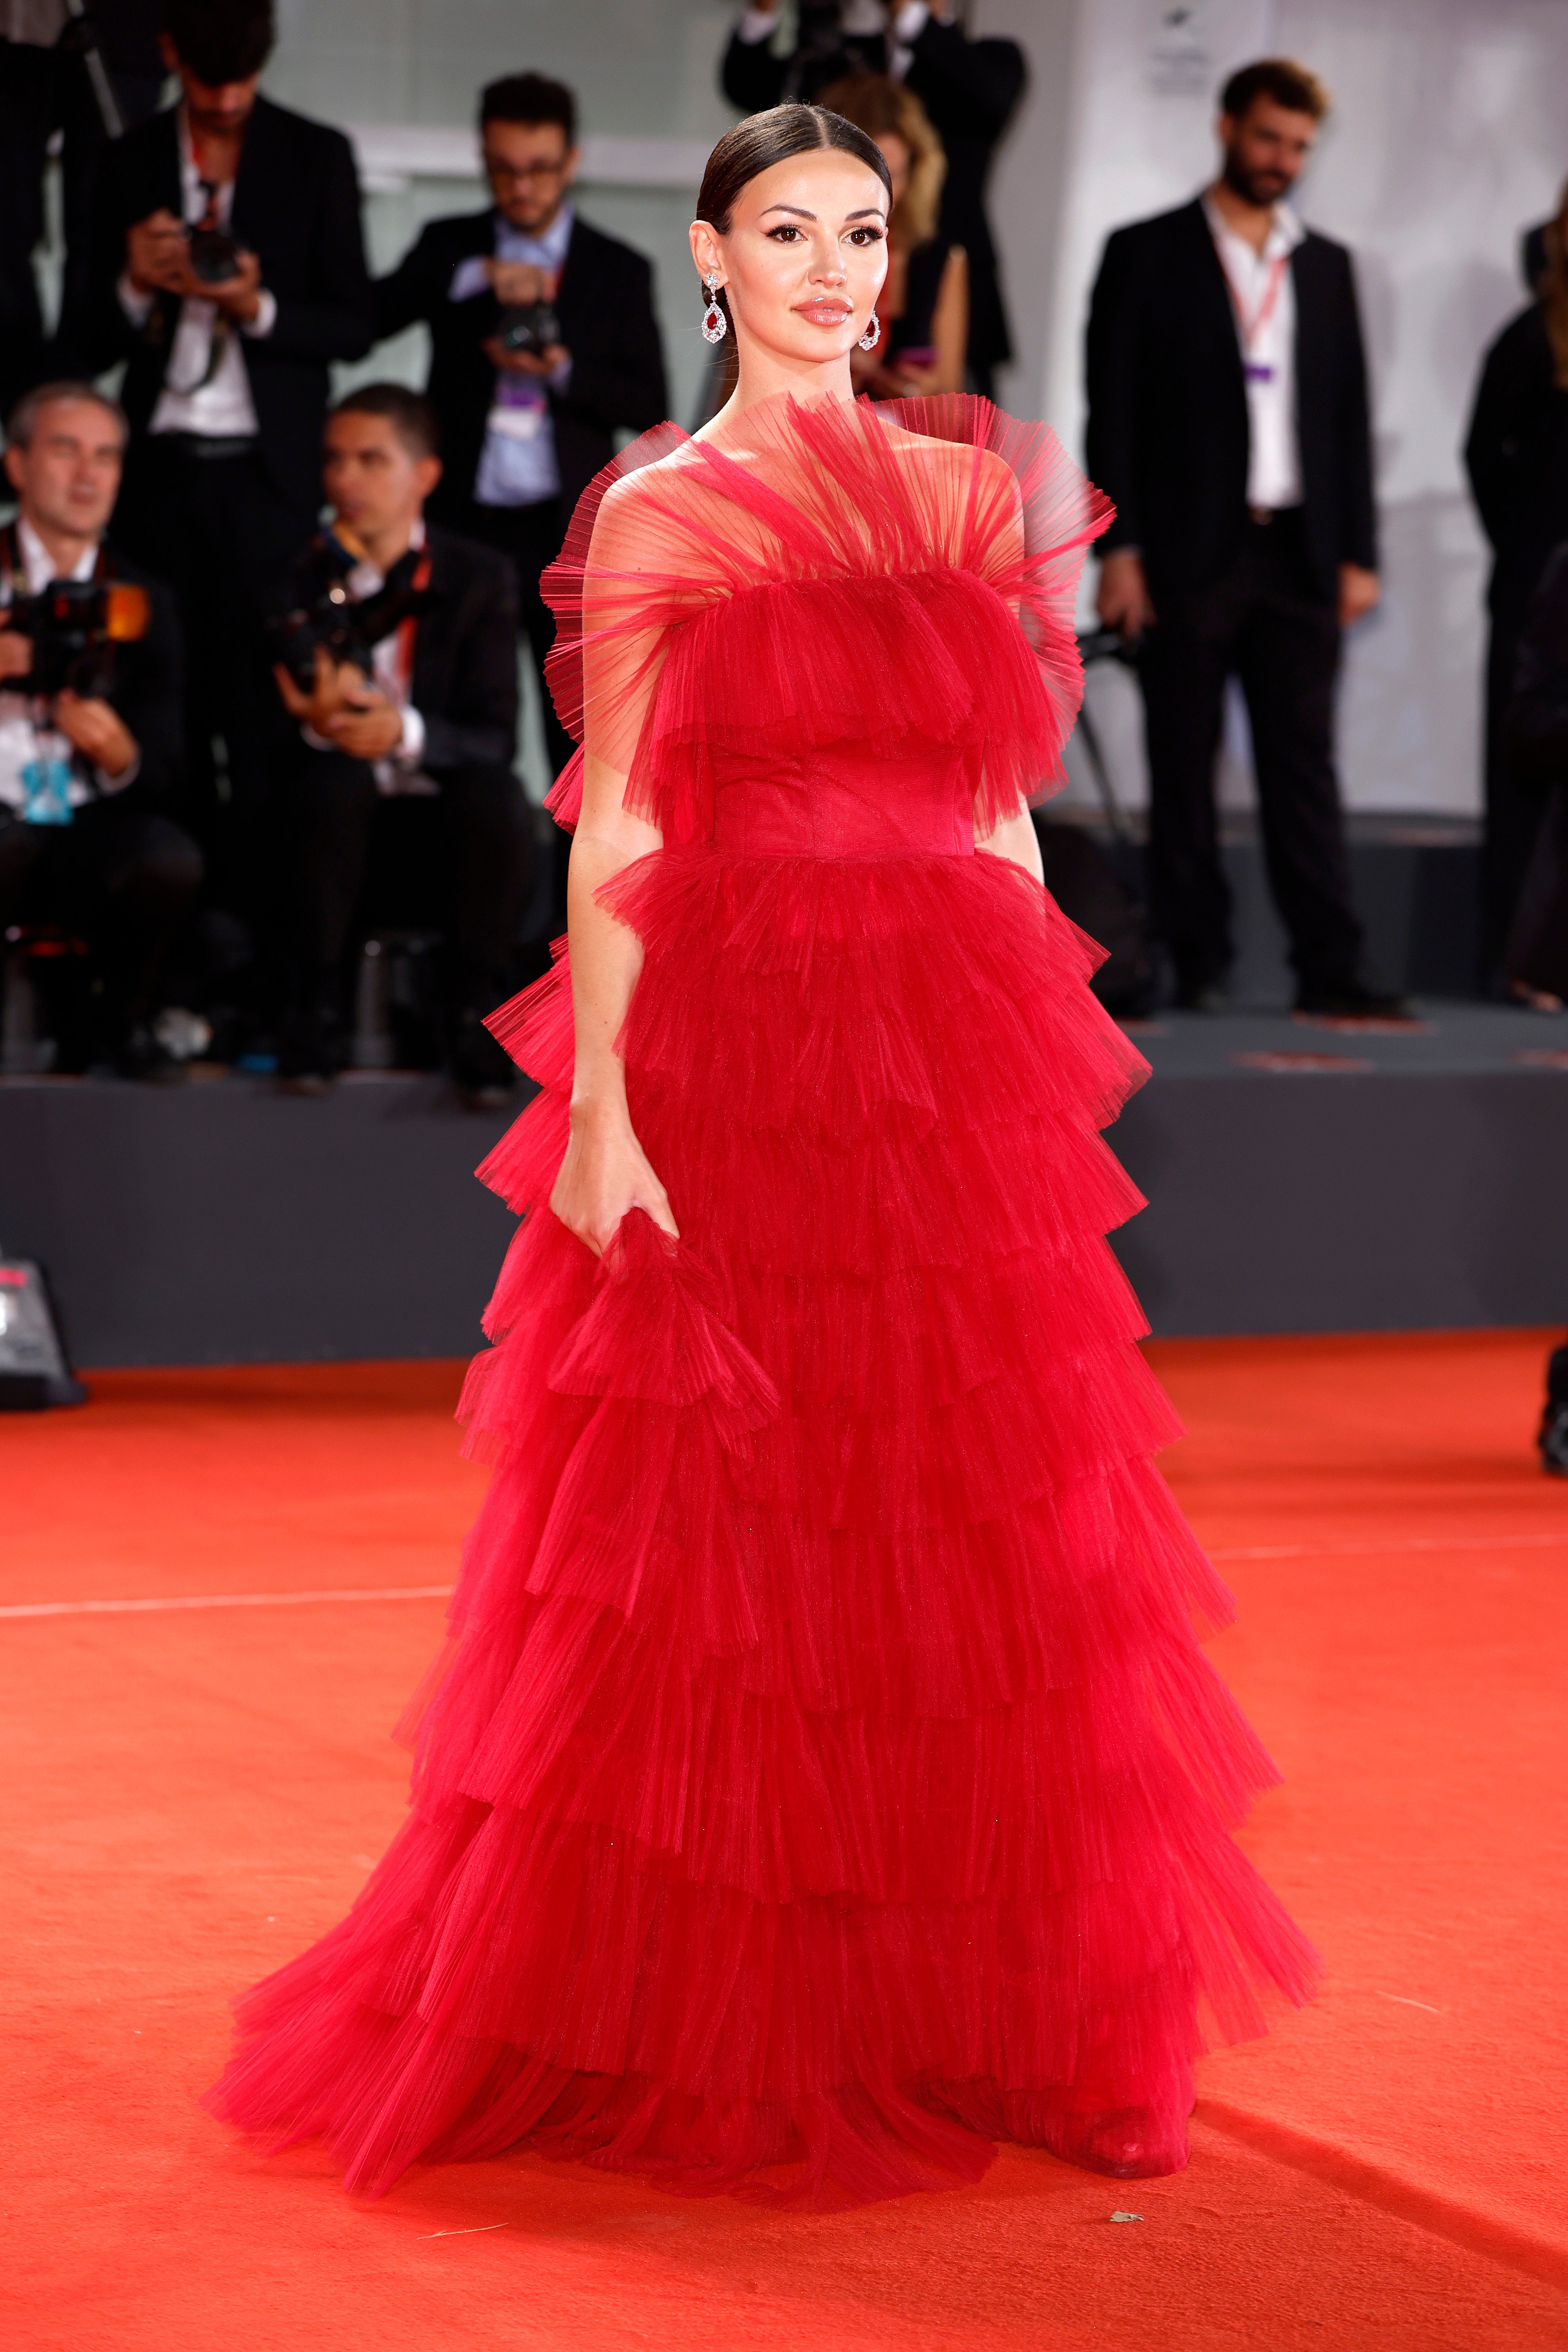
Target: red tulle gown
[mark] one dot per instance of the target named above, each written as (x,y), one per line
(822,1781)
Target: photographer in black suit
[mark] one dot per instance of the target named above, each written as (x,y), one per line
(543,344)
(89,745)
(406,749)
(1228,420)
(969,88)
(228,272)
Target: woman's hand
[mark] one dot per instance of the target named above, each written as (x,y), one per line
(604,1174)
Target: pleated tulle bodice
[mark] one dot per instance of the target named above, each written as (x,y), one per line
(853,770)
(843,800)
(833,630)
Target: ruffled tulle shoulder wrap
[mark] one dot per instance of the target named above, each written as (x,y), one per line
(823,572)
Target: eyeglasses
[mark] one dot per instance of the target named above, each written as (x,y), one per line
(539,171)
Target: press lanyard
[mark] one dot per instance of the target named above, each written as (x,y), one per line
(407,630)
(1255,370)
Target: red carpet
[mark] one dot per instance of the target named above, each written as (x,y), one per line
(194,1792)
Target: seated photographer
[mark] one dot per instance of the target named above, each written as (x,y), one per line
(406,698)
(90,729)
(544,345)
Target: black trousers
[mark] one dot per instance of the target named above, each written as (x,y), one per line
(1516,801)
(1536,947)
(531,536)
(218,532)
(1266,624)
(125,877)
(461,858)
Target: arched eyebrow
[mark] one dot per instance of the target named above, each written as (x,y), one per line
(867,211)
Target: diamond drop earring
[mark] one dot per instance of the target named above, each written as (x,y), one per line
(873,334)
(715,326)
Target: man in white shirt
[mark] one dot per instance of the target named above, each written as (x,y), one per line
(82,843)
(229,273)
(1228,421)
(526,424)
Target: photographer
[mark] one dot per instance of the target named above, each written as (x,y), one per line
(543,344)
(969,89)
(406,701)
(89,730)
(228,272)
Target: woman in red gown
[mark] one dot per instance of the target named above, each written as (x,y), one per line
(822,1781)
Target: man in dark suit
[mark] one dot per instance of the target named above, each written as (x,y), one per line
(1228,420)
(229,273)
(90,745)
(969,88)
(406,752)
(526,424)
(67,84)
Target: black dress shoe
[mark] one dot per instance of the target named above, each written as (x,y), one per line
(1554,1441)
(310,1051)
(142,1058)
(484,1072)
(1353,1000)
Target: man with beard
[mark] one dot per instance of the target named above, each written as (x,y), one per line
(1228,420)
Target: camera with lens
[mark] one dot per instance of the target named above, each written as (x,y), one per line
(325,617)
(74,627)
(213,254)
(528,326)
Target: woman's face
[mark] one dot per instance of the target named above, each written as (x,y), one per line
(805,256)
(897,161)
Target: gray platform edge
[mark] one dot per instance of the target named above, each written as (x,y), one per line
(225,1223)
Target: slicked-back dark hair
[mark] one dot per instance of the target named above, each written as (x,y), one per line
(411,417)
(756,145)
(773,137)
(530,97)
(220,40)
(1280,79)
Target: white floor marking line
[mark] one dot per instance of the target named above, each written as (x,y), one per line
(444,1592)
(1412,1544)
(222,1601)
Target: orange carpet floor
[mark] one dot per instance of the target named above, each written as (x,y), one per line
(197,1787)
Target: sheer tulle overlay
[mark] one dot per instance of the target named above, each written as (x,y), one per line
(822,1781)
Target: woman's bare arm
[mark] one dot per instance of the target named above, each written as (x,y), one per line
(605,1171)
(949,322)
(1015,838)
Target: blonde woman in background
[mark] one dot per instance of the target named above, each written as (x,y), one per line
(924,305)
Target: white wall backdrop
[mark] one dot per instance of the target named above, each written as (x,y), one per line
(1447,137)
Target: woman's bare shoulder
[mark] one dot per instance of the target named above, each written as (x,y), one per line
(953,468)
(637,510)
